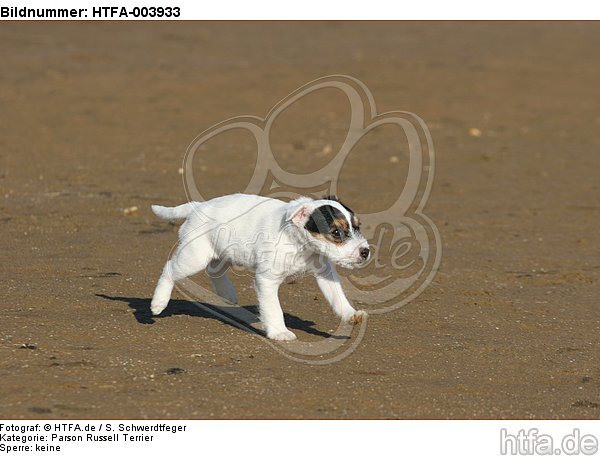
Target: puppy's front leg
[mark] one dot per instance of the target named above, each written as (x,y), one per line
(271,314)
(329,283)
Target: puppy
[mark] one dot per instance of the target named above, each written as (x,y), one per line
(271,237)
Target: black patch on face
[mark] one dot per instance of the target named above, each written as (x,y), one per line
(323,219)
(354,219)
(329,223)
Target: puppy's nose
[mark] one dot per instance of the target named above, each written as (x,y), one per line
(364,252)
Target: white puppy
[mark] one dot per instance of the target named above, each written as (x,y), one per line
(271,237)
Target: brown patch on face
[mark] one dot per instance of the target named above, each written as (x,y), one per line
(328,237)
(329,224)
(341,223)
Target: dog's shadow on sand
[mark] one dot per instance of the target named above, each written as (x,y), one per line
(142,313)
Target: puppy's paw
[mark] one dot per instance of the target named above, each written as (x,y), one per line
(356,317)
(157,307)
(281,335)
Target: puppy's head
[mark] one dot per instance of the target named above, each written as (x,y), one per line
(331,229)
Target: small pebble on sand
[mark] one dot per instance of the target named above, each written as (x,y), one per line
(327,150)
(130,210)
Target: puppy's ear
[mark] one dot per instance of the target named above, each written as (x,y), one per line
(336,199)
(300,212)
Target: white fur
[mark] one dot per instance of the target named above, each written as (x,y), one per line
(262,234)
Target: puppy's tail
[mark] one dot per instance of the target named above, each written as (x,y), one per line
(172,213)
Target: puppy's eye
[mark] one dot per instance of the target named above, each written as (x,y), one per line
(337,233)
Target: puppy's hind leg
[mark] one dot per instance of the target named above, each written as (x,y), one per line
(221,283)
(189,259)
(162,292)
(271,314)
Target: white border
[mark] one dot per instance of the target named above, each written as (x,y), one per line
(350,9)
(302,438)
